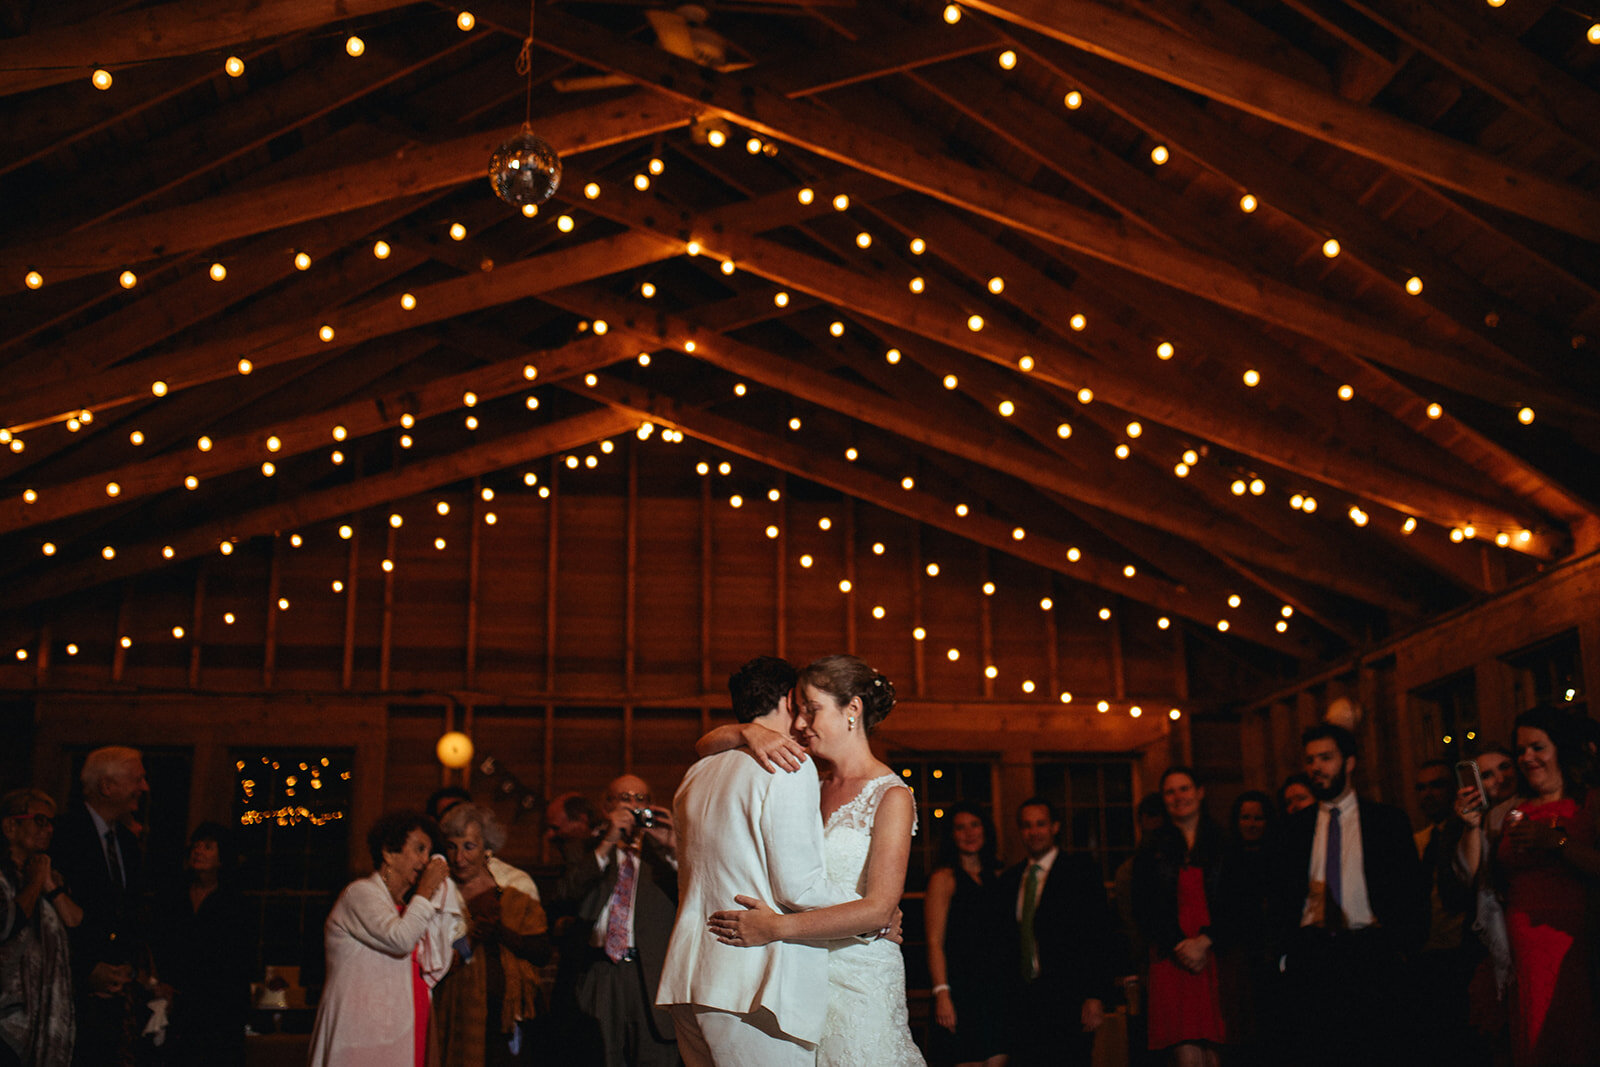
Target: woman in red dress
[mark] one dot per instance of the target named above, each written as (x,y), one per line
(1176,897)
(1542,844)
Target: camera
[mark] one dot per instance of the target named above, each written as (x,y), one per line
(644,818)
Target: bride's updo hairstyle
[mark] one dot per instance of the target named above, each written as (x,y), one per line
(843,677)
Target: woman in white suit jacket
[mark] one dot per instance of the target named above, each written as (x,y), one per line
(385,954)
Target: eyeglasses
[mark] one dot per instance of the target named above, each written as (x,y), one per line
(632,798)
(44,822)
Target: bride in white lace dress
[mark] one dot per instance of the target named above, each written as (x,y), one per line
(869,818)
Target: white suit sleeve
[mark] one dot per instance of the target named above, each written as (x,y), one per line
(791,832)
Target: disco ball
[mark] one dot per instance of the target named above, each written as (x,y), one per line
(525,170)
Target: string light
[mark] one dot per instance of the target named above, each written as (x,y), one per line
(916,285)
(1159,154)
(1073,100)
(1163,623)
(841,202)
(974,323)
(234,66)
(951,381)
(1525,416)
(1063,430)
(465,21)
(31,495)
(591,191)
(1330,248)
(932,570)
(244,367)
(1248,203)
(892,356)
(908,483)
(1435,411)
(1008,60)
(302,261)
(158,388)
(1257,487)
(1134,429)
(127,279)
(1414,285)
(218,272)
(1103,706)
(1346,392)
(355,45)
(863,240)
(918,246)
(1123,451)
(1252,378)
(1045,603)
(381,250)
(1085,395)
(33,279)
(1164,350)
(1078,322)
(101,79)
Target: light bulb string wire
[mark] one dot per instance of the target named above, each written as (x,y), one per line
(525,68)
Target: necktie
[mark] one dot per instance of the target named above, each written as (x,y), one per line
(1333,881)
(1030,904)
(617,923)
(113,864)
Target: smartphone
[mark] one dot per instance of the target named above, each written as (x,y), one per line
(1467,775)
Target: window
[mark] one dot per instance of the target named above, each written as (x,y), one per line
(1096,797)
(1447,718)
(291,807)
(939,782)
(1550,672)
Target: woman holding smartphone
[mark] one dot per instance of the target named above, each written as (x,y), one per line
(1542,858)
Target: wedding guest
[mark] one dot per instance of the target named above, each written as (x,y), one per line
(36,1010)
(1177,902)
(388,942)
(964,919)
(199,940)
(100,856)
(1542,856)
(1295,795)
(493,985)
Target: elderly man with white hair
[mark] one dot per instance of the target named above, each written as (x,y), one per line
(100,857)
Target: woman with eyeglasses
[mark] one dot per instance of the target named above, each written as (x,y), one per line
(36,1014)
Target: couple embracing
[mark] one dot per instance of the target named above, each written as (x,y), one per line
(802,974)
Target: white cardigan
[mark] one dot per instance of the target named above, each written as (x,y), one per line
(365,1018)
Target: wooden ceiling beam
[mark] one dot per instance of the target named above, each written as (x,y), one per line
(310,432)
(435,303)
(1038,549)
(231,215)
(945,322)
(1008,202)
(1279,185)
(975,442)
(252,268)
(183,28)
(322,505)
(1376,135)
(1474,46)
(236,128)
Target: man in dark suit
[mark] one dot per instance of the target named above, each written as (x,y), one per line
(1065,944)
(100,858)
(1350,903)
(625,891)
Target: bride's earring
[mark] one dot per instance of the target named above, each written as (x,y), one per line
(852,722)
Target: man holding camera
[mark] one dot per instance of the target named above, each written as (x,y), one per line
(625,890)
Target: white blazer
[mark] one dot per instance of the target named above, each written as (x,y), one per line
(744,831)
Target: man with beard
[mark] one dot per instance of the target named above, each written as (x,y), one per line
(1350,903)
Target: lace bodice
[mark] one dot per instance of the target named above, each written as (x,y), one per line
(847,835)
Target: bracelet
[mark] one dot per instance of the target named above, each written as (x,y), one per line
(56,892)
(942,987)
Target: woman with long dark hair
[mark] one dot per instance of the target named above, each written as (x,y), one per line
(964,915)
(1177,898)
(1543,859)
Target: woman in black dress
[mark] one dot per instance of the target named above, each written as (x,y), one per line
(965,921)
(204,953)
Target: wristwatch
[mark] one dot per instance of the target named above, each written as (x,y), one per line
(56,892)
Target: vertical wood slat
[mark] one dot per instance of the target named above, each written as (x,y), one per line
(269,647)
(1183,728)
(850,574)
(985,622)
(919,662)
(705,585)
(630,609)
(627,738)
(347,668)
(1052,637)
(468,723)
(41,659)
(386,641)
(781,580)
(549,752)
(197,624)
(1119,671)
(552,563)
(474,553)
(448,723)
(119,654)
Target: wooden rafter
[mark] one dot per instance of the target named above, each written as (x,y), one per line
(184,28)
(320,506)
(228,216)
(1376,135)
(985,193)
(1177,407)
(886,493)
